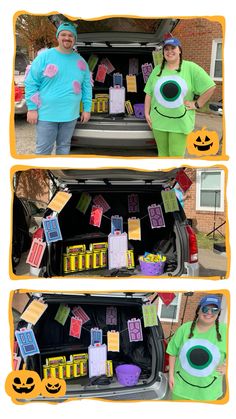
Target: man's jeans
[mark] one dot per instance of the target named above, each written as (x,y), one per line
(50,133)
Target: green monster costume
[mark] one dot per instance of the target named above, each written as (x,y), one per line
(168,93)
(195,375)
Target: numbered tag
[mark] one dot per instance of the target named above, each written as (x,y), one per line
(52,229)
(149,315)
(84,202)
(108,64)
(96,336)
(34,311)
(113,341)
(167,297)
(146,70)
(111,316)
(62,314)
(79,313)
(59,201)
(170,201)
(36,252)
(99,201)
(116,224)
(75,327)
(92,62)
(133,65)
(135,330)
(101,73)
(183,180)
(96,216)
(131,83)
(156,216)
(133,203)
(117,80)
(134,229)
(27,342)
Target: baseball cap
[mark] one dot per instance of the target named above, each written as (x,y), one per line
(210,299)
(172,41)
(66,26)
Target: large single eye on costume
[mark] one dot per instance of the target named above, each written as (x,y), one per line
(170,91)
(199,357)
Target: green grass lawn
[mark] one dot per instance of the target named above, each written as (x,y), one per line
(205,242)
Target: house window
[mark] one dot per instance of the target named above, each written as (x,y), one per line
(216,60)
(210,190)
(169,313)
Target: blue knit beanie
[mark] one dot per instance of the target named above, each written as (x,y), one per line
(66,26)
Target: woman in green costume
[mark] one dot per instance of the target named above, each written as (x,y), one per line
(197,354)
(169,101)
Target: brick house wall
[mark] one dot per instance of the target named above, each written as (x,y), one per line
(201,220)
(196,37)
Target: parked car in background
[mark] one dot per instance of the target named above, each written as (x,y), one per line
(21,63)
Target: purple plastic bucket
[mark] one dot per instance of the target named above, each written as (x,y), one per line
(128,374)
(139,110)
(151,268)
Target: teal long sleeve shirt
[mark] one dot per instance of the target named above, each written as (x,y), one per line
(56,84)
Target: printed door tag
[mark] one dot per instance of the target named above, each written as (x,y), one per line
(170,201)
(134,229)
(99,201)
(133,65)
(131,83)
(36,252)
(167,297)
(34,311)
(117,80)
(27,342)
(52,229)
(108,64)
(156,216)
(135,330)
(117,250)
(183,180)
(75,327)
(116,100)
(101,73)
(133,203)
(116,224)
(16,362)
(59,201)
(96,216)
(96,336)
(146,70)
(92,62)
(111,316)
(79,313)
(84,202)
(62,314)
(157,57)
(113,341)
(149,315)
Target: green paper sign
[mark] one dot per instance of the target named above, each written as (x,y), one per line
(149,315)
(84,202)
(92,62)
(170,201)
(62,314)
(157,57)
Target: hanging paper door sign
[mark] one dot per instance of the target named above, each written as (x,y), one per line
(146,70)
(84,202)
(128,107)
(135,330)
(75,327)
(116,100)
(134,229)
(62,314)
(116,224)
(92,62)
(108,65)
(101,73)
(133,203)
(59,201)
(34,311)
(117,250)
(131,83)
(133,65)
(167,297)
(52,229)
(27,342)
(157,57)
(111,316)
(97,357)
(156,216)
(170,201)
(113,341)
(36,252)
(16,362)
(96,216)
(183,180)
(117,80)
(79,313)
(96,336)
(149,315)
(101,202)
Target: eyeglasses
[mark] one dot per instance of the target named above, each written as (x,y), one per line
(212,310)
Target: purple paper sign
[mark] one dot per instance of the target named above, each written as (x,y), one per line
(146,70)
(133,66)
(101,202)
(79,313)
(133,203)
(111,316)
(156,216)
(135,330)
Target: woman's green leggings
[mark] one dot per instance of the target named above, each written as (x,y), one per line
(170,143)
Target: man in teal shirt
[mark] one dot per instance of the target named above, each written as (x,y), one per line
(58,81)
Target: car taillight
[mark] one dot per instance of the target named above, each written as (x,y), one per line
(19,93)
(193,248)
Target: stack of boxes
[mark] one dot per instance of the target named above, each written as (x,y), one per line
(78,258)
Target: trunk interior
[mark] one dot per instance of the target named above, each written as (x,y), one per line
(54,340)
(75,230)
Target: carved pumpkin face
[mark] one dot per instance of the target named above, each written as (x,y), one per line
(53,387)
(23,384)
(203,143)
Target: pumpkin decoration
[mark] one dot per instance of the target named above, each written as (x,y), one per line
(53,387)
(203,142)
(23,384)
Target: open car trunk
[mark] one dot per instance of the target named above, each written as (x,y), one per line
(54,340)
(170,240)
